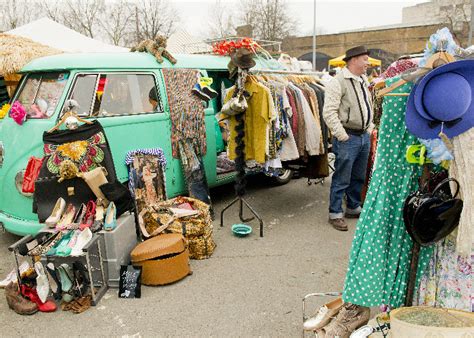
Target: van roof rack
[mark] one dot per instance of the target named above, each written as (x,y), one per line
(210,42)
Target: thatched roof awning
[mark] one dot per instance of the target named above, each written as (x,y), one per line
(17,51)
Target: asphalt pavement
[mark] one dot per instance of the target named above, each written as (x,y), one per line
(250,287)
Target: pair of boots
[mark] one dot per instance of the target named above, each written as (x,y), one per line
(337,319)
(203,89)
(25,300)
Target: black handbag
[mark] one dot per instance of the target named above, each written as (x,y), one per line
(431,216)
(120,195)
(86,148)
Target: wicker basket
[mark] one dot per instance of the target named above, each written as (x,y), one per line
(401,328)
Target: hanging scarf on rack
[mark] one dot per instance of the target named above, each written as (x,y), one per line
(186,109)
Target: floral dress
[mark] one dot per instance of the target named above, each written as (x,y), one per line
(381,250)
(449,280)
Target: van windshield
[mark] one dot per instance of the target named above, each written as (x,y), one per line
(40,94)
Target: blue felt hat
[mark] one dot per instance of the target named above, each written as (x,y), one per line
(442,100)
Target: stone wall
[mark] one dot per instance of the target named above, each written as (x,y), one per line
(394,41)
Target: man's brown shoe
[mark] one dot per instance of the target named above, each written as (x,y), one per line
(338,224)
(346,215)
(349,319)
(17,303)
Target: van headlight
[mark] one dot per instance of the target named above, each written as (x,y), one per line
(19,182)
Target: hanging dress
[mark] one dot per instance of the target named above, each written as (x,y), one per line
(449,280)
(381,250)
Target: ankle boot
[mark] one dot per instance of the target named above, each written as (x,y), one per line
(349,319)
(17,303)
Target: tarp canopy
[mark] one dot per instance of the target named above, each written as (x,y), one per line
(50,33)
(183,42)
(339,62)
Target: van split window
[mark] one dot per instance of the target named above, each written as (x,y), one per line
(116,94)
(39,94)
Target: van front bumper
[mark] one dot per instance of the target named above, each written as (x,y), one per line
(19,226)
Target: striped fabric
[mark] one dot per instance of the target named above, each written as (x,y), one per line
(148,151)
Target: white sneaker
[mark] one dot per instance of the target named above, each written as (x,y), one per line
(42,283)
(12,277)
(84,237)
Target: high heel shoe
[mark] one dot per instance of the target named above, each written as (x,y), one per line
(99,212)
(89,216)
(56,213)
(110,221)
(84,237)
(42,284)
(60,244)
(65,276)
(31,294)
(67,218)
(54,283)
(38,240)
(45,247)
(78,217)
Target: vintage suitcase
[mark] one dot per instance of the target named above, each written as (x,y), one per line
(164,259)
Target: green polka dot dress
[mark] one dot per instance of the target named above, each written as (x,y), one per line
(381,249)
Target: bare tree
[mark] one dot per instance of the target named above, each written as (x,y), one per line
(52,10)
(117,22)
(221,25)
(455,15)
(15,13)
(80,15)
(270,18)
(83,15)
(153,17)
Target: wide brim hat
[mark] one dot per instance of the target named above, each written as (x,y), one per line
(443,100)
(356,51)
(243,58)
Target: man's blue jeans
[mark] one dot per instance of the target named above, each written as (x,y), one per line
(349,175)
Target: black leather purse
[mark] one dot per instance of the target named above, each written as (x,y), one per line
(431,216)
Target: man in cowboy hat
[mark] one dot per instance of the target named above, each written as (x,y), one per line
(348,114)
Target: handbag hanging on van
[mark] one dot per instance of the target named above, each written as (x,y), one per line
(84,149)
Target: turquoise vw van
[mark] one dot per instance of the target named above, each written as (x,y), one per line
(124,111)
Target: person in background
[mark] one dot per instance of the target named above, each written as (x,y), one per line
(153,98)
(348,114)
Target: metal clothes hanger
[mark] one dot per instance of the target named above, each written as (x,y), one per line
(70,106)
(435,60)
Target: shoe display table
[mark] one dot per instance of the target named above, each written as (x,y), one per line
(119,242)
(92,258)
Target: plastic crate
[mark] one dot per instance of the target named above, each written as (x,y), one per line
(118,245)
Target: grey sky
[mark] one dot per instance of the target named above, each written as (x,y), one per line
(332,16)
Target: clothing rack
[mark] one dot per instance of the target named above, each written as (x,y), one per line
(240,181)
